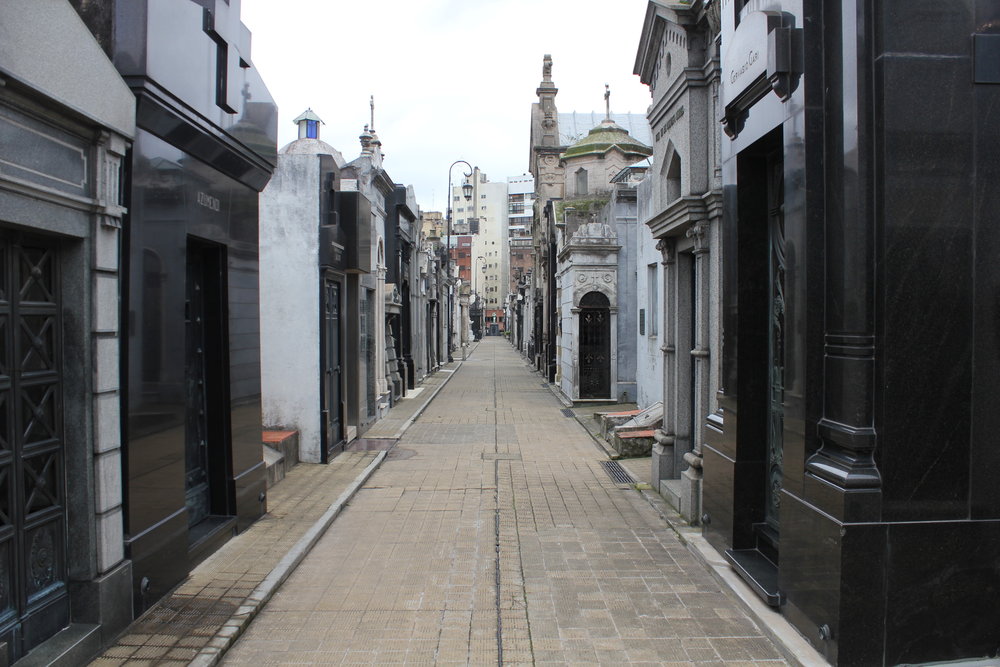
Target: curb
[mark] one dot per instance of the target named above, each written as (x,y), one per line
(409,422)
(789,641)
(223,640)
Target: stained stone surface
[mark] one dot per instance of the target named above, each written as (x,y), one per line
(500,539)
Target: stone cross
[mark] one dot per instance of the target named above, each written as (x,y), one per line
(607,100)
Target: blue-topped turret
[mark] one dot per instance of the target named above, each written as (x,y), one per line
(308,124)
(309,142)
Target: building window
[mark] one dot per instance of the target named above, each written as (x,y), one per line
(673,178)
(312,128)
(652,288)
(581,181)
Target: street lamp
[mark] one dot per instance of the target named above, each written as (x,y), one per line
(467,191)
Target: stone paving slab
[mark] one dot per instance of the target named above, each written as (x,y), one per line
(492,535)
(200,620)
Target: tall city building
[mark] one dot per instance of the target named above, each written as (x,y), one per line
(484,218)
(520,207)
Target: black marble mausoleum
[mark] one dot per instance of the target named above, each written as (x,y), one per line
(851,475)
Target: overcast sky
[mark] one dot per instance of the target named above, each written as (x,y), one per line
(451,79)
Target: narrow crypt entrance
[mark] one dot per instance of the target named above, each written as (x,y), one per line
(595,346)
(331,361)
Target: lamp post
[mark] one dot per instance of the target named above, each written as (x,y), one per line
(467,192)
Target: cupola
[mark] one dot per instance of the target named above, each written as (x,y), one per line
(308,124)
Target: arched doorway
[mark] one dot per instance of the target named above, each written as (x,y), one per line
(595,346)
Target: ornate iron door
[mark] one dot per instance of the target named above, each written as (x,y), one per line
(595,346)
(33,601)
(775,338)
(332,429)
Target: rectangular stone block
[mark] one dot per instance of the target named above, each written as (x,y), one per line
(106,364)
(106,302)
(110,545)
(107,424)
(105,247)
(108,473)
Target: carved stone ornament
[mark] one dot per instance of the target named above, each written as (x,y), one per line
(666,249)
(699,234)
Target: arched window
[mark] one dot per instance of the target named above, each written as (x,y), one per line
(673,177)
(581,181)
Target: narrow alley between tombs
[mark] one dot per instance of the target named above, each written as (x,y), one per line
(492,534)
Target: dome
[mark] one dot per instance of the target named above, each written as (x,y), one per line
(313,147)
(603,138)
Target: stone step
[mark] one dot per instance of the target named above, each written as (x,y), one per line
(280,453)
(67,648)
(274,463)
(670,489)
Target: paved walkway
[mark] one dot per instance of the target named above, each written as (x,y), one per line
(491,534)
(202,617)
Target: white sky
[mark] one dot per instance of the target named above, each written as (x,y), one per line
(451,79)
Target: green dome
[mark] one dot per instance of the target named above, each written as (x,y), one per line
(603,138)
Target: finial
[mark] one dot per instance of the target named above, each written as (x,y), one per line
(547,68)
(607,100)
(372,103)
(366,141)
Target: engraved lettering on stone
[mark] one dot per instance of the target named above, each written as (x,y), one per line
(209,202)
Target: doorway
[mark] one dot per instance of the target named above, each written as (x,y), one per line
(595,346)
(332,370)
(760,362)
(33,596)
(206,380)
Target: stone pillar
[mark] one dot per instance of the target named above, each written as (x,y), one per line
(107,459)
(381,382)
(663,449)
(691,478)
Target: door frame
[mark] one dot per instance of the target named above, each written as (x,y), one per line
(328,450)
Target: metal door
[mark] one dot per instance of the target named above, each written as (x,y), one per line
(33,600)
(332,368)
(775,339)
(196,481)
(368,348)
(595,346)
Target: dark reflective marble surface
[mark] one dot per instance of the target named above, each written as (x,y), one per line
(176,198)
(892,349)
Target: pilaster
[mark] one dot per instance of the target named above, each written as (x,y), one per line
(663,449)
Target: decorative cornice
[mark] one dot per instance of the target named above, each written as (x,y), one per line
(676,218)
